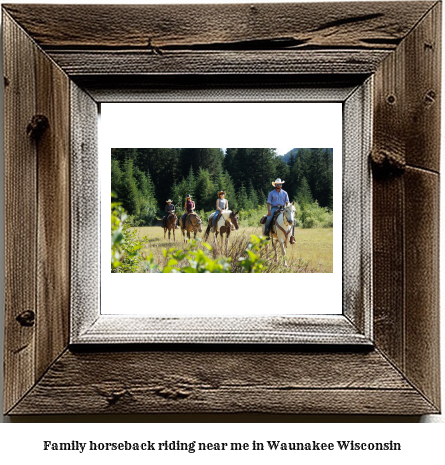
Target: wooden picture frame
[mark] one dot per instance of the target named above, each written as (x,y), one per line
(76,56)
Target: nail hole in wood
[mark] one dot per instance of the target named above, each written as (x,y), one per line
(430,97)
(391,99)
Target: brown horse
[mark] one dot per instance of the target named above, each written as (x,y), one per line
(224,225)
(190,222)
(170,224)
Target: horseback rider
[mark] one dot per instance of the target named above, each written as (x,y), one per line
(221,204)
(189,208)
(276,199)
(169,208)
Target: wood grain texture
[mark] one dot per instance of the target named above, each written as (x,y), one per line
(388,268)
(118,62)
(112,329)
(376,25)
(397,41)
(423,91)
(422,281)
(223,382)
(20,212)
(406,208)
(85,210)
(53,199)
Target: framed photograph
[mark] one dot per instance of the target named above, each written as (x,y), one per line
(85,85)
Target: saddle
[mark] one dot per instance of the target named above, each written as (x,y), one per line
(185,216)
(274,219)
(227,223)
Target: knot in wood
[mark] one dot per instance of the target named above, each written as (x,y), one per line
(37,126)
(173,393)
(26,318)
(387,162)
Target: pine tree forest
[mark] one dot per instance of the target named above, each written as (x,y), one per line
(144,178)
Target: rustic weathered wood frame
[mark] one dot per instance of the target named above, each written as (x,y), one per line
(91,53)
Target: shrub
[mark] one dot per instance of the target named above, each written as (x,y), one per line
(314,216)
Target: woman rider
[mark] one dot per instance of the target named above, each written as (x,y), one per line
(189,207)
(221,204)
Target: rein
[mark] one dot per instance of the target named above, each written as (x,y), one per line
(284,232)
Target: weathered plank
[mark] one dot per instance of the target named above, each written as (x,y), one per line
(184,381)
(20,213)
(423,91)
(53,229)
(78,62)
(388,198)
(85,210)
(352,24)
(422,281)
(406,131)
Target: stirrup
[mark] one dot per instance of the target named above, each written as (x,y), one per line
(292,240)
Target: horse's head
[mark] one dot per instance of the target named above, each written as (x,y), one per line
(234,219)
(289,213)
(196,222)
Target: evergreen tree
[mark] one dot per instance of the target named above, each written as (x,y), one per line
(191,183)
(224,183)
(129,194)
(252,195)
(243,200)
(229,160)
(116,177)
(304,195)
(204,191)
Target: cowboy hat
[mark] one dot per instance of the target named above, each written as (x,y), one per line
(278,181)
(189,196)
(169,201)
(221,192)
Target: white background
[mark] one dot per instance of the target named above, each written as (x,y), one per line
(21,442)
(221,125)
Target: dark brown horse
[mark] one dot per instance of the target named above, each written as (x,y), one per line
(227,220)
(170,224)
(190,222)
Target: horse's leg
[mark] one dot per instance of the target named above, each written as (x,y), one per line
(227,241)
(284,252)
(222,240)
(275,249)
(164,233)
(206,234)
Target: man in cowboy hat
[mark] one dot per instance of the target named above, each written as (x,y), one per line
(169,208)
(277,198)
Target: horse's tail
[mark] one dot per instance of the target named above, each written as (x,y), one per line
(206,234)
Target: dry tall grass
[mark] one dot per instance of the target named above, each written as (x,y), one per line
(313,252)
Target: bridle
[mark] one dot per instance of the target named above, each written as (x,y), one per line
(288,223)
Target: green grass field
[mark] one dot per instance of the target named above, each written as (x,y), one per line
(313,252)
